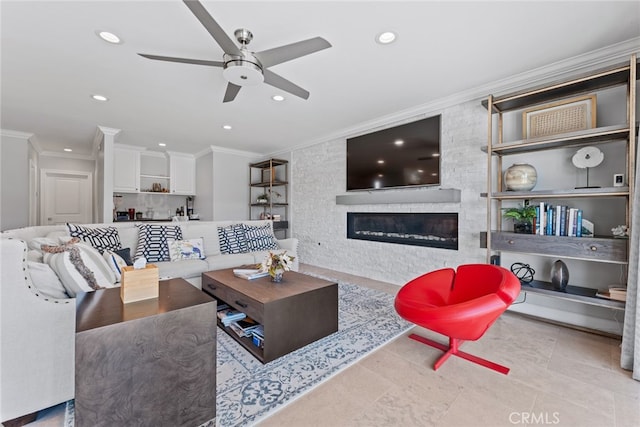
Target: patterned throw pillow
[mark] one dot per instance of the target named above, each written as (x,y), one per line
(260,238)
(232,239)
(186,249)
(100,238)
(152,241)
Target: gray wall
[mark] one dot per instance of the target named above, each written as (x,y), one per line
(204,187)
(319,174)
(230,185)
(14,185)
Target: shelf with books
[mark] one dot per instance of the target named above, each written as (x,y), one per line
(572,223)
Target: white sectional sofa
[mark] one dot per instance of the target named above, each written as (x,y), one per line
(37,331)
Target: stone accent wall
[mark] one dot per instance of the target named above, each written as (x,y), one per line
(319,174)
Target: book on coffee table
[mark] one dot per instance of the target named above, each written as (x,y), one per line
(249,274)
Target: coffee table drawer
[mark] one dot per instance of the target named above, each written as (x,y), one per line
(215,289)
(247,305)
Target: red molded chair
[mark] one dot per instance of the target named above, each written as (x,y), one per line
(461,305)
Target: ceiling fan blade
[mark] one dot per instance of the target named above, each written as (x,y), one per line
(232,91)
(291,51)
(275,80)
(216,31)
(184,60)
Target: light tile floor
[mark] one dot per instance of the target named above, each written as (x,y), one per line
(559,376)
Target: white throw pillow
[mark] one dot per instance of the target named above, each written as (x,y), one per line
(115,262)
(77,275)
(186,249)
(46,281)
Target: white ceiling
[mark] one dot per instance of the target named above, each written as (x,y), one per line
(52,61)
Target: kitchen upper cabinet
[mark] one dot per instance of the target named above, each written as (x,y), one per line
(126,170)
(182,171)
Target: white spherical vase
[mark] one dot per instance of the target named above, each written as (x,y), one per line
(520,177)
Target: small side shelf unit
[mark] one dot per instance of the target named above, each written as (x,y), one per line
(603,248)
(269,192)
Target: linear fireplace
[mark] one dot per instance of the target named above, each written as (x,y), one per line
(437,230)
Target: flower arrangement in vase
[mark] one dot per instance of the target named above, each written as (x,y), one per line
(276,265)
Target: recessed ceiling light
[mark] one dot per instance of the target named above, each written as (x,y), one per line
(386,37)
(227,127)
(162,144)
(380,161)
(398,142)
(109,37)
(68,150)
(277,98)
(99,97)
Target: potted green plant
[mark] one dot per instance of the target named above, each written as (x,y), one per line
(262,198)
(523,217)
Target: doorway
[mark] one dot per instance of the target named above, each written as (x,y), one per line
(65,196)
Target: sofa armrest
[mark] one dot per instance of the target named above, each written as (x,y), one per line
(37,340)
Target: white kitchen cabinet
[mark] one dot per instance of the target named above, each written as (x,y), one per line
(126,170)
(182,172)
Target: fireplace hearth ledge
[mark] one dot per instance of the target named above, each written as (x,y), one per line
(441,195)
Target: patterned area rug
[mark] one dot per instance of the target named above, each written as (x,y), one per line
(248,391)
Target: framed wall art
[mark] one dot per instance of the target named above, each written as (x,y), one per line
(564,116)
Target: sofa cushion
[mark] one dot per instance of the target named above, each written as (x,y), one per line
(80,267)
(259,237)
(115,263)
(232,239)
(186,268)
(186,249)
(229,261)
(46,281)
(101,238)
(207,231)
(152,241)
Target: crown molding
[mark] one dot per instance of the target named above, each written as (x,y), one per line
(67,155)
(109,131)
(590,61)
(15,133)
(217,149)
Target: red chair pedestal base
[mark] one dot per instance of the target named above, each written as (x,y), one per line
(453,349)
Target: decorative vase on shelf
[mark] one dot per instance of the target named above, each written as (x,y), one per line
(559,275)
(277,276)
(520,177)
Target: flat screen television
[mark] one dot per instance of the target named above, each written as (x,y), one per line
(400,156)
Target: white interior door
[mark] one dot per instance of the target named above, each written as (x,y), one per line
(65,196)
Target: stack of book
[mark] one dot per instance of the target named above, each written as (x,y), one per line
(244,327)
(559,221)
(249,274)
(228,315)
(257,336)
(615,293)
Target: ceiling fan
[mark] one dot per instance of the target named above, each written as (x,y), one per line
(241,67)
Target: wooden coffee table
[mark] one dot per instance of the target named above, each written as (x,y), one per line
(295,312)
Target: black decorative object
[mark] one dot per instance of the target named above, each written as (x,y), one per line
(524,272)
(559,275)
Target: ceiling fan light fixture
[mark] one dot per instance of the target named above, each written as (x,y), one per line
(109,37)
(242,73)
(386,37)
